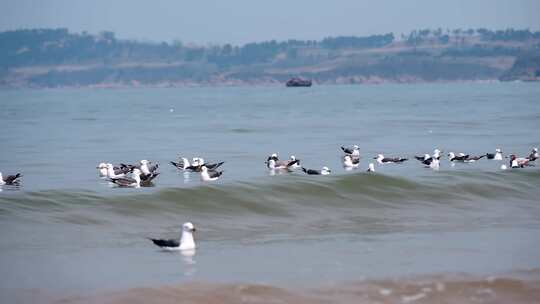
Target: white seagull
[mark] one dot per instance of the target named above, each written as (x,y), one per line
(495,156)
(186,240)
(208,175)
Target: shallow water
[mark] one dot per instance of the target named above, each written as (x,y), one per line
(286,230)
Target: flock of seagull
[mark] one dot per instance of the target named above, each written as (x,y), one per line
(143,173)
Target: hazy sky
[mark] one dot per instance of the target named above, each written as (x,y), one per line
(241,21)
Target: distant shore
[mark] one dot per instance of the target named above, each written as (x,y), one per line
(50,58)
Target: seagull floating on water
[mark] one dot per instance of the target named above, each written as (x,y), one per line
(131,182)
(186,241)
(323,171)
(495,156)
(519,162)
(10,179)
(388,160)
(209,175)
(273,162)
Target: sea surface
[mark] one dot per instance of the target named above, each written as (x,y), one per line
(464,233)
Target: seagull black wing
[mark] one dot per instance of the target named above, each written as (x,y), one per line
(347,150)
(311,171)
(166,243)
(214,166)
(420,158)
(123,181)
(428,161)
(292,162)
(490,155)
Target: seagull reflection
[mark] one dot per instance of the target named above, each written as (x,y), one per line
(189,262)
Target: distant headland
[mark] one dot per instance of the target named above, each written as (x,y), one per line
(44,58)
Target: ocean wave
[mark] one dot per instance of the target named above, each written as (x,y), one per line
(289,194)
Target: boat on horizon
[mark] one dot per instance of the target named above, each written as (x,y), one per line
(298,82)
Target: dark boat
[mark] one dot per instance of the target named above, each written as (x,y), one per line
(298,82)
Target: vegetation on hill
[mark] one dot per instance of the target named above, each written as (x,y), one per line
(56,57)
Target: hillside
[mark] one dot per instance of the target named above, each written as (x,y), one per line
(58,58)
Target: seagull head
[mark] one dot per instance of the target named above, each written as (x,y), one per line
(144,162)
(188,227)
(293,157)
(102,166)
(426,156)
(535,149)
(498,150)
(451,154)
(355,147)
(325,170)
(379,157)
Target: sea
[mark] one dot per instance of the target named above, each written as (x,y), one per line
(468,232)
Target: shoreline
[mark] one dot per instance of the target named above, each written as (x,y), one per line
(513,287)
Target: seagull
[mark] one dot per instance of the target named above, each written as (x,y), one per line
(10,179)
(350,162)
(496,156)
(534,155)
(132,182)
(186,241)
(384,160)
(323,171)
(296,163)
(208,175)
(274,163)
(519,162)
(371,168)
